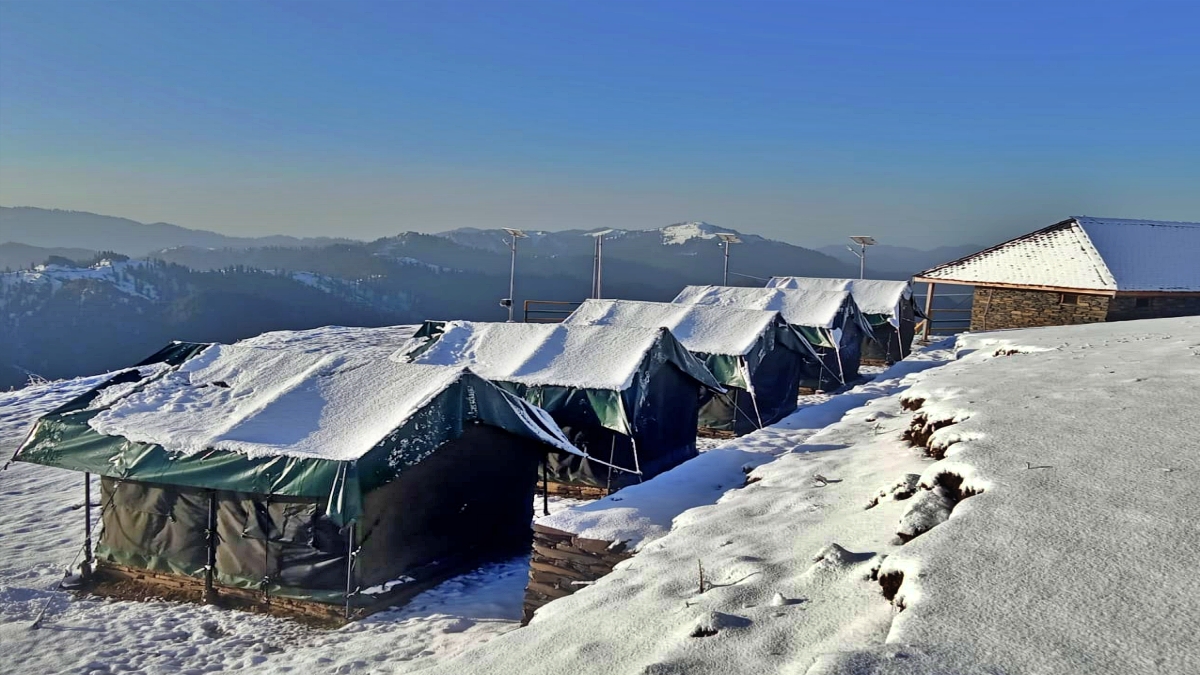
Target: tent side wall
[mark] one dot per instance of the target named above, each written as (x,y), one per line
(666,421)
(284,546)
(889,343)
(850,347)
(471,499)
(776,378)
(665,409)
(776,382)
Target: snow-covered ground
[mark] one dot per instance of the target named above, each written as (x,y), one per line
(1069,546)
(1072,549)
(41,525)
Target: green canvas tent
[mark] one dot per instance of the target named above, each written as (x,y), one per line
(628,396)
(888,306)
(754,354)
(829,322)
(306,464)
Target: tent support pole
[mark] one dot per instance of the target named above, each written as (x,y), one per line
(86,568)
(210,567)
(546,486)
(837,350)
(637,465)
(612,455)
(350,555)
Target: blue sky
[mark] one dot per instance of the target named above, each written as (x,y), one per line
(920,122)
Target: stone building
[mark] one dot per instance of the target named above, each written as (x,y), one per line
(1080,270)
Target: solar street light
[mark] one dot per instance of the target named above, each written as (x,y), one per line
(512,270)
(727,238)
(863,242)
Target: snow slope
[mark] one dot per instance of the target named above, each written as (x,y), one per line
(1077,556)
(52,277)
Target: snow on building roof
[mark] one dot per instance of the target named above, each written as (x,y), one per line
(704,329)
(816,309)
(585,357)
(1086,253)
(873,296)
(313,394)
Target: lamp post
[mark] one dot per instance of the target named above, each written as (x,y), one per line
(863,242)
(598,263)
(512,270)
(727,238)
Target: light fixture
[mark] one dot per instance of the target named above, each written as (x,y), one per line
(512,270)
(727,238)
(863,242)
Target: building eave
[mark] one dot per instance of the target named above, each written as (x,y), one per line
(1023,287)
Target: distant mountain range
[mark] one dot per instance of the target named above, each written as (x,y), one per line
(80,229)
(85,311)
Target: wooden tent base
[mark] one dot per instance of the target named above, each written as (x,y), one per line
(577,491)
(129,583)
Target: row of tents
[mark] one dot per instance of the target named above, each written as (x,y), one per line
(342,465)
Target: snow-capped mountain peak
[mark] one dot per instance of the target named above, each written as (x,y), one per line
(681,233)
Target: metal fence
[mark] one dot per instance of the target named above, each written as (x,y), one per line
(548,311)
(946,320)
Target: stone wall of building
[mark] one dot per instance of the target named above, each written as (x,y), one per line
(1125,307)
(996,308)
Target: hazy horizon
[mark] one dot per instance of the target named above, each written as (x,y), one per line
(924,124)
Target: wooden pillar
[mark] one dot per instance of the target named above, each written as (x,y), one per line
(210,565)
(546,485)
(929,288)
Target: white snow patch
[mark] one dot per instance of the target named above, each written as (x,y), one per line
(52,277)
(682,233)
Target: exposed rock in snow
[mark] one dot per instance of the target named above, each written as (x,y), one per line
(925,511)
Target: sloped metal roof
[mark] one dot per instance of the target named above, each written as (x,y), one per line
(1087,253)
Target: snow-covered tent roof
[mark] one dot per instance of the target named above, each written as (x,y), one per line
(1089,254)
(320,413)
(557,355)
(814,309)
(703,329)
(873,296)
(266,402)
(329,393)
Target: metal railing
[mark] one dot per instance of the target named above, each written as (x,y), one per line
(944,320)
(548,311)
